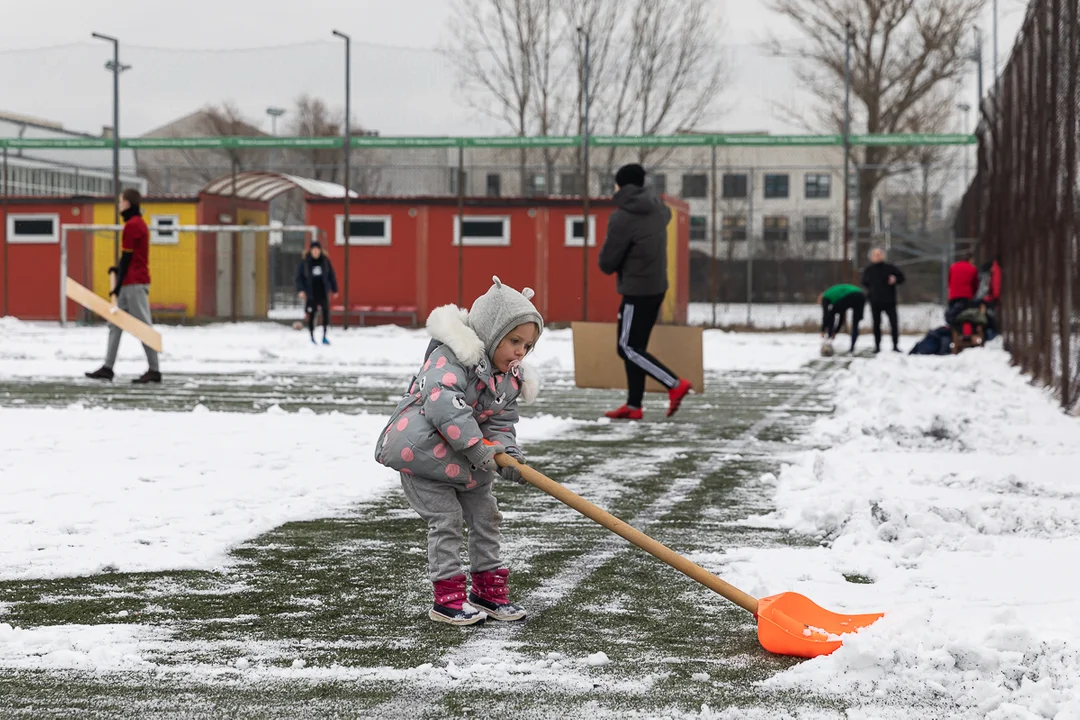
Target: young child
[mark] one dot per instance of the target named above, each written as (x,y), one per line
(460,412)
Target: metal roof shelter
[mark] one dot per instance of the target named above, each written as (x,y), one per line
(264,186)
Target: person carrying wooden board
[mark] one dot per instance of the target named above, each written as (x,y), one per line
(131,286)
(635,251)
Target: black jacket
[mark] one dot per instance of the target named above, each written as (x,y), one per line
(636,244)
(311,268)
(875,279)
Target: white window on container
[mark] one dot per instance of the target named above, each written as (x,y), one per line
(33,229)
(161,229)
(482,230)
(364,230)
(575,230)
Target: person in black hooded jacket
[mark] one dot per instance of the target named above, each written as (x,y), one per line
(635,251)
(880,280)
(315,282)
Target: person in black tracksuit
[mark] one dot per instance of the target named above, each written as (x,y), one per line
(315,281)
(635,250)
(880,280)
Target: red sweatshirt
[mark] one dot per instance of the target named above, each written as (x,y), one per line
(136,240)
(963,281)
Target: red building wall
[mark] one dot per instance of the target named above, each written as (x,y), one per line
(421,265)
(30,277)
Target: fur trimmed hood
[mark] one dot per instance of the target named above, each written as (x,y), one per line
(448,325)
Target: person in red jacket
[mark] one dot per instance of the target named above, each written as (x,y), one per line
(994,294)
(963,284)
(131,288)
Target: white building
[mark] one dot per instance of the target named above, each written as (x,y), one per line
(64,171)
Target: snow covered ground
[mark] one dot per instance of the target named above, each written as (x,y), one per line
(943,491)
(947,496)
(914,319)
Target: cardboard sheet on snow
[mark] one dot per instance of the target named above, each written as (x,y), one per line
(597,363)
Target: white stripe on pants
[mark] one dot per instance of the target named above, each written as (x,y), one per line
(644,363)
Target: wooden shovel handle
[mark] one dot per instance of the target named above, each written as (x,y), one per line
(643,541)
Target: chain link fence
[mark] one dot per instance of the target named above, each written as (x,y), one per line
(1024,203)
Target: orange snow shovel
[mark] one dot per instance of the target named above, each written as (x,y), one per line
(788,623)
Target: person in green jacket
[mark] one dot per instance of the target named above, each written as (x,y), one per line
(835,302)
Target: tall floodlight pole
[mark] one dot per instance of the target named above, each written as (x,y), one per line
(585,184)
(116,68)
(847,138)
(347,230)
(274,113)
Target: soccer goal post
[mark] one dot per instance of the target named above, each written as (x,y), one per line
(312,232)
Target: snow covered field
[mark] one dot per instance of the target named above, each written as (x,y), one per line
(917,318)
(942,491)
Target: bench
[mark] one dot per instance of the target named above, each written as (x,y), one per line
(363,312)
(169,310)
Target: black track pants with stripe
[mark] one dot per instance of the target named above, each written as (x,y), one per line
(637,315)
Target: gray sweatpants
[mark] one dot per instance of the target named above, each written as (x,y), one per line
(135,301)
(445,506)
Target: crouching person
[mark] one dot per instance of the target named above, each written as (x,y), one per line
(460,412)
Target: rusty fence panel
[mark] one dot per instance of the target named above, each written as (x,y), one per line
(1028,196)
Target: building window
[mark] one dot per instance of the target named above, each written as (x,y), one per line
(161,229)
(734,228)
(734,185)
(818,185)
(776,228)
(658,181)
(44,228)
(537,185)
(776,186)
(699,227)
(454,181)
(695,186)
(575,230)
(482,230)
(364,230)
(494,184)
(569,184)
(816,229)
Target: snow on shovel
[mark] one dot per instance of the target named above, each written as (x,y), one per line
(788,623)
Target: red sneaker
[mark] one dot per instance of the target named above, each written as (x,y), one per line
(625,413)
(676,395)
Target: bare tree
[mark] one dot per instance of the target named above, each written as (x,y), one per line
(187,171)
(655,65)
(902,51)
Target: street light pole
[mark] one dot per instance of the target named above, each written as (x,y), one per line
(116,68)
(585,184)
(847,140)
(347,230)
(965,108)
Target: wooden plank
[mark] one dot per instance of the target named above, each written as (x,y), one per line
(102,307)
(597,363)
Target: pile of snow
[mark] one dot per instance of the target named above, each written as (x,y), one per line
(948,498)
(84,491)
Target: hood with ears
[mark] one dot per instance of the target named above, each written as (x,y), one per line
(448,325)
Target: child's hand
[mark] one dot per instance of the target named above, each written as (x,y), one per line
(482,455)
(511,473)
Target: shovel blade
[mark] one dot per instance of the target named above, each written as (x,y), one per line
(793,624)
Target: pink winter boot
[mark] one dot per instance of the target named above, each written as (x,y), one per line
(450,603)
(489,593)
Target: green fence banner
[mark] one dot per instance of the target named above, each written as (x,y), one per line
(365,141)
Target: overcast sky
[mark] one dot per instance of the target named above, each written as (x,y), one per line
(215,50)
